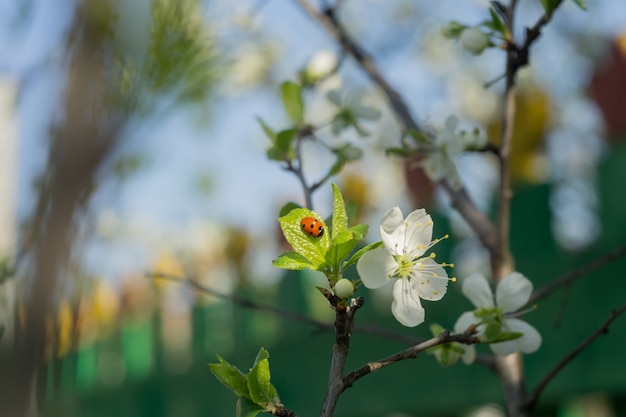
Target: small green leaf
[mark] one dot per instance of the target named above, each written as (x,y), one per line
(550,6)
(230,376)
(292,101)
(340,218)
(400,151)
(311,248)
(247,408)
(284,210)
(581,4)
(496,23)
(418,136)
(452,30)
(293,261)
(268,131)
(262,354)
(282,149)
(357,255)
(504,336)
(436,329)
(262,391)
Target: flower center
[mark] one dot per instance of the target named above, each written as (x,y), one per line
(405,265)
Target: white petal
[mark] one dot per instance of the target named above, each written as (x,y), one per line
(430,280)
(375,267)
(392,230)
(464,321)
(335,97)
(434,166)
(406,306)
(365,112)
(451,122)
(477,289)
(418,232)
(528,343)
(513,292)
(469,355)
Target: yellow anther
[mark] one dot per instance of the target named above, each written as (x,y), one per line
(446,236)
(432,255)
(435,275)
(435,292)
(451,265)
(453,279)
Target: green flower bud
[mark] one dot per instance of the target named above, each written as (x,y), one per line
(343,288)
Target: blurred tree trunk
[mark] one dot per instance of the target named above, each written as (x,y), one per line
(79,144)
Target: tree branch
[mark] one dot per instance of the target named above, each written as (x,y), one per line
(344,319)
(409,353)
(572,276)
(603,329)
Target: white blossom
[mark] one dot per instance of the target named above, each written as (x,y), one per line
(406,242)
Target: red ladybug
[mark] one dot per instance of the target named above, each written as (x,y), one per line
(312,227)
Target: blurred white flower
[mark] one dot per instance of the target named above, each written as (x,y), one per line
(447,144)
(495,319)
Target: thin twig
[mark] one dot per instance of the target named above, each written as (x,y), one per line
(572,276)
(244,302)
(603,329)
(409,353)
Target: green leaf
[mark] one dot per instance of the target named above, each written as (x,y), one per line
(339,251)
(436,329)
(262,354)
(504,336)
(247,408)
(268,131)
(492,331)
(343,243)
(496,23)
(452,30)
(357,255)
(550,6)
(581,4)
(284,210)
(262,391)
(418,136)
(292,101)
(293,261)
(230,376)
(282,149)
(400,151)
(284,139)
(311,248)
(340,218)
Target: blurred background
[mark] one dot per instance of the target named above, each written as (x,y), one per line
(129,147)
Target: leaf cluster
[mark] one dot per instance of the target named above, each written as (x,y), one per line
(329,253)
(254,389)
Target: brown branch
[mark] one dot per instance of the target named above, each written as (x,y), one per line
(329,21)
(283,412)
(572,276)
(409,353)
(603,329)
(344,319)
